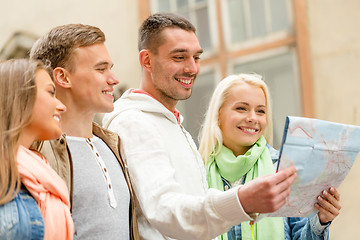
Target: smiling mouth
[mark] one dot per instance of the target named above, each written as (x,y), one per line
(107,92)
(249,130)
(184,81)
(57,118)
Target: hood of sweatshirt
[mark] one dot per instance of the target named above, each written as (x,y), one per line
(130,101)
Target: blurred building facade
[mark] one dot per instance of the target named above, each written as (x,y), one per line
(307,51)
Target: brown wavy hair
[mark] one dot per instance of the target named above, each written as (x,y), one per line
(17,97)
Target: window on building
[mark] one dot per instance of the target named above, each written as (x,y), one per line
(248,20)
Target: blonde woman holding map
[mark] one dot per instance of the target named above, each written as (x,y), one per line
(234,144)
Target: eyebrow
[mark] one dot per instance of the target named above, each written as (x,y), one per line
(177,50)
(245,103)
(104,63)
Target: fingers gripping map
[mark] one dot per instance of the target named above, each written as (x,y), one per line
(322,152)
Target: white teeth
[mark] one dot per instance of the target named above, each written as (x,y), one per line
(57,118)
(184,81)
(249,130)
(107,92)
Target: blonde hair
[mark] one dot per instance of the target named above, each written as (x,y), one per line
(17,97)
(210,133)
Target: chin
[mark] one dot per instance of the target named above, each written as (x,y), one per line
(58,135)
(50,136)
(106,108)
(249,143)
(55,135)
(187,96)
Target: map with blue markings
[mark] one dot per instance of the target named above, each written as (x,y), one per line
(323,153)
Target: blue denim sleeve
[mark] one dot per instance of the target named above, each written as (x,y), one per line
(21,218)
(305,228)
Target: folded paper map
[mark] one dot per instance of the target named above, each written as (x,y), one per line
(322,152)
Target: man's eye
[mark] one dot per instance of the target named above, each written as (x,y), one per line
(101,69)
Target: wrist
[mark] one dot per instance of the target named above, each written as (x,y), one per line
(244,203)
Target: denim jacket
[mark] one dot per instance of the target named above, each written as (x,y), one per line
(21,218)
(294,227)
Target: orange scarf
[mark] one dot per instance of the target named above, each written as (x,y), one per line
(50,193)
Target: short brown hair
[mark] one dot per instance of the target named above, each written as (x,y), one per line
(151,28)
(56,47)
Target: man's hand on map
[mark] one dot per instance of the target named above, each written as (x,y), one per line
(267,193)
(328,205)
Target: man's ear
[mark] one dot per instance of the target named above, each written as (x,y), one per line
(61,77)
(145,59)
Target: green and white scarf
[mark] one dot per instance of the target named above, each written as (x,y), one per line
(254,163)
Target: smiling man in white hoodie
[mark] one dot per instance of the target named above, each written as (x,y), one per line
(166,169)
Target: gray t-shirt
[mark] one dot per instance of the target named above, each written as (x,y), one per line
(101,197)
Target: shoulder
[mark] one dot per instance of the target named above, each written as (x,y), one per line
(52,149)
(110,138)
(122,117)
(133,118)
(102,132)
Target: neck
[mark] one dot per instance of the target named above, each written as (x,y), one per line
(147,86)
(237,150)
(169,105)
(78,118)
(77,124)
(26,139)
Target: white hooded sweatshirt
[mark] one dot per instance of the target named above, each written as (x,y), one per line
(168,174)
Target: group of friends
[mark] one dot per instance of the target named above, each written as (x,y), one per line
(140,175)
